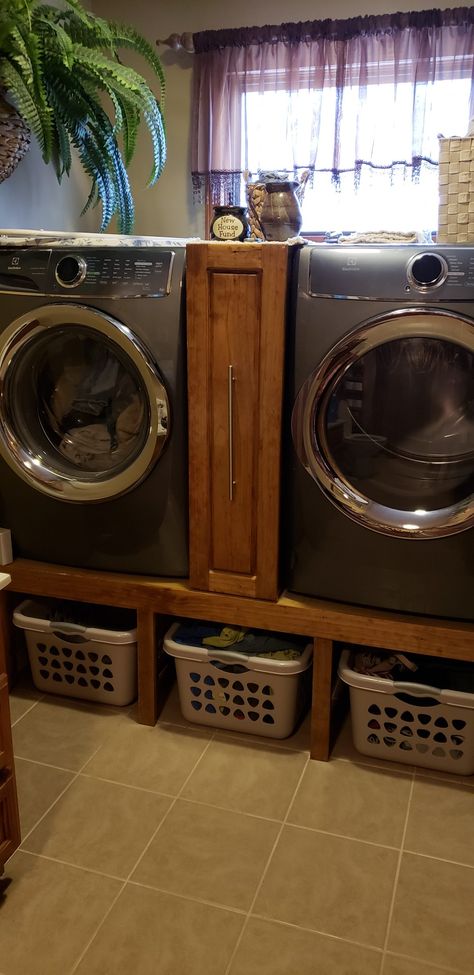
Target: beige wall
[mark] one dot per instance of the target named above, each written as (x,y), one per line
(168,208)
(32,198)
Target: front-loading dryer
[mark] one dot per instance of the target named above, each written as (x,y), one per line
(93,453)
(379,504)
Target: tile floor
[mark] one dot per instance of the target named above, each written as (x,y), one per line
(176,850)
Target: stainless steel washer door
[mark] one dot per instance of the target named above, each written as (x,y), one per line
(386,424)
(84,413)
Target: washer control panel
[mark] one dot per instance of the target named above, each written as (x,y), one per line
(110,272)
(392,271)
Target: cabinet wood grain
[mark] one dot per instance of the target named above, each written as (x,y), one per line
(9,815)
(236,310)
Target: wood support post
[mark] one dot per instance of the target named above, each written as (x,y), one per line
(321,704)
(147,667)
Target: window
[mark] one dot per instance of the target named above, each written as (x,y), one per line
(358,103)
(394,203)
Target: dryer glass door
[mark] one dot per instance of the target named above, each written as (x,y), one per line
(84,413)
(386,425)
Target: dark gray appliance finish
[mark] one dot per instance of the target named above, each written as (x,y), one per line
(93,439)
(379,507)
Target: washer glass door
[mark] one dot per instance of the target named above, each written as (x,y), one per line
(386,424)
(84,413)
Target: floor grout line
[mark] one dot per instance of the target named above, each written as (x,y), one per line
(58,797)
(323,934)
(432,964)
(381,765)
(266,868)
(69,863)
(172,805)
(341,836)
(228,809)
(242,911)
(429,856)
(397,875)
(271,743)
(57,768)
(127,785)
(124,884)
(445,778)
(28,710)
(221,735)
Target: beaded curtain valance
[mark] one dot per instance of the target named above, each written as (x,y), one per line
(323,76)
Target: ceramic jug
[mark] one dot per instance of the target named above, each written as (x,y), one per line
(281,215)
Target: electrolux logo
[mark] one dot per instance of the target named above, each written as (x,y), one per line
(351,264)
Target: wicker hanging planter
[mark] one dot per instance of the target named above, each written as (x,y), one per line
(14,139)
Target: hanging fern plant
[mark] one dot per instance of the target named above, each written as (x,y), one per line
(62,70)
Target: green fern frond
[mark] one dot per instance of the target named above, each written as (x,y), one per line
(92,199)
(32,73)
(72,109)
(95,34)
(57,64)
(131,122)
(91,83)
(82,14)
(131,88)
(12,81)
(61,44)
(126,37)
(63,147)
(103,156)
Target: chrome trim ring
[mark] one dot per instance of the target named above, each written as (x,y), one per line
(81,275)
(431,285)
(36,469)
(309,435)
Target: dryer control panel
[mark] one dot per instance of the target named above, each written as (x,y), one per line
(385,272)
(109,272)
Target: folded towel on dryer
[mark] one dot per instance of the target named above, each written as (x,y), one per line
(382,237)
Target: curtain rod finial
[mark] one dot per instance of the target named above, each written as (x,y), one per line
(179,41)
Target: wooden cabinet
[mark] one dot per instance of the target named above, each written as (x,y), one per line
(236,311)
(9,817)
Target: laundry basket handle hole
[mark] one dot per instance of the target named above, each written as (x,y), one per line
(421,702)
(70,637)
(229,668)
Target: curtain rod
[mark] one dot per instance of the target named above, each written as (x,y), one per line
(179,42)
(312,30)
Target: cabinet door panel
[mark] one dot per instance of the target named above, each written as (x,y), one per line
(9,820)
(234,335)
(236,310)
(5,732)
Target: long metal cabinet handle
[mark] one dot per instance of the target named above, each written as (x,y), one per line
(230,404)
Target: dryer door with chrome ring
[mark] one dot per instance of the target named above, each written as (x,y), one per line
(386,424)
(84,413)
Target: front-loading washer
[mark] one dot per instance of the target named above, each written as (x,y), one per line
(379,501)
(93,451)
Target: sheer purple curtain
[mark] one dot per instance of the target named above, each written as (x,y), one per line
(340,98)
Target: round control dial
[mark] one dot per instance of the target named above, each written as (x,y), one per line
(70,271)
(427,271)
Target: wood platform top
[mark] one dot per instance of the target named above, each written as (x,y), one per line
(291,613)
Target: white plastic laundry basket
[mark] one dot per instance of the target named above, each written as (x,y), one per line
(97,663)
(411,723)
(228,689)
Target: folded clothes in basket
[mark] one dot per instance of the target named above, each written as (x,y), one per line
(252,643)
(436,672)
(382,664)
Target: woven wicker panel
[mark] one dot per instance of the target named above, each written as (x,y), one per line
(456,190)
(14,139)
